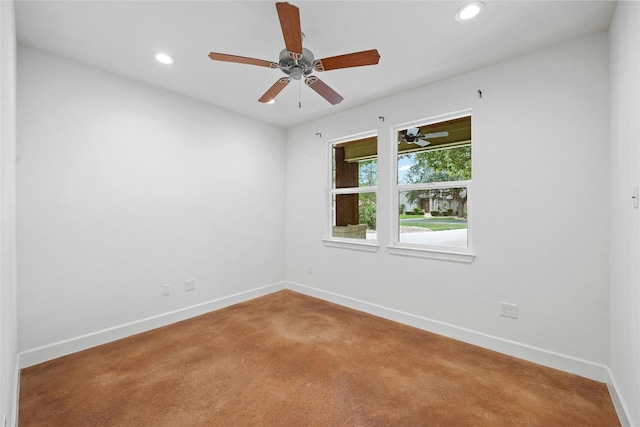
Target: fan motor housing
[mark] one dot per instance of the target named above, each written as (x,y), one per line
(296,69)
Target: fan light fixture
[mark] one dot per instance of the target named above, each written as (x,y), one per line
(164,58)
(469,11)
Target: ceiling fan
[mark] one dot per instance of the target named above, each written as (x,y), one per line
(297,62)
(413,136)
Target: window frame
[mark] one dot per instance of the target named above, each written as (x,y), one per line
(366,245)
(441,252)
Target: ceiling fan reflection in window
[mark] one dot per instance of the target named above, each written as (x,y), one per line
(413,136)
(298,63)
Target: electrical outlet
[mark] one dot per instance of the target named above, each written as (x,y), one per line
(166,289)
(509,310)
(190,285)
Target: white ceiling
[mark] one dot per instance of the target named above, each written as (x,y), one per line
(418,41)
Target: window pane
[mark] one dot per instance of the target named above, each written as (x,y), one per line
(368,173)
(435,152)
(355,163)
(435,217)
(354,216)
(447,164)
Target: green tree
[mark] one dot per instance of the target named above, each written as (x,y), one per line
(367,210)
(367,177)
(368,173)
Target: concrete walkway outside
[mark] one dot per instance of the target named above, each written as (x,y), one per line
(451,238)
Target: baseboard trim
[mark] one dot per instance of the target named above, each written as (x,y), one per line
(42,354)
(619,403)
(562,362)
(15,399)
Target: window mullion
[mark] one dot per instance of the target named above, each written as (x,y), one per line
(354,190)
(433,185)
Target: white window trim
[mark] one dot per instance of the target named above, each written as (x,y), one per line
(363,245)
(354,190)
(445,253)
(432,252)
(352,244)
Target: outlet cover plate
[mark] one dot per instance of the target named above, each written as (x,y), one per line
(509,310)
(190,285)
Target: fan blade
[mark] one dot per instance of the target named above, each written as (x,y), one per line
(356,59)
(436,134)
(274,90)
(289,16)
(422,142)
(323,90)
(242,60)
(413,131)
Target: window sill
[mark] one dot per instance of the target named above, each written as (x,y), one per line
(462,256)
(352,244)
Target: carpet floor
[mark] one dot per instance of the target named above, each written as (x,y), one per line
(287,359)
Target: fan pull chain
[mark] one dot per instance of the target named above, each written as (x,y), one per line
(299,93)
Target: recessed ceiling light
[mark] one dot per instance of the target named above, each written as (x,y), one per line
(469,10)
(163,58)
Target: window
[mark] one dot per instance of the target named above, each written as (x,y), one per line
(426,177)
(353,190)
(433,184)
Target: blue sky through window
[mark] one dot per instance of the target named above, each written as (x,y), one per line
(404,163)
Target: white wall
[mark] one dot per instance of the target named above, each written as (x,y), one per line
(625,220)
(540,207)
(8,314)
(123,187)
